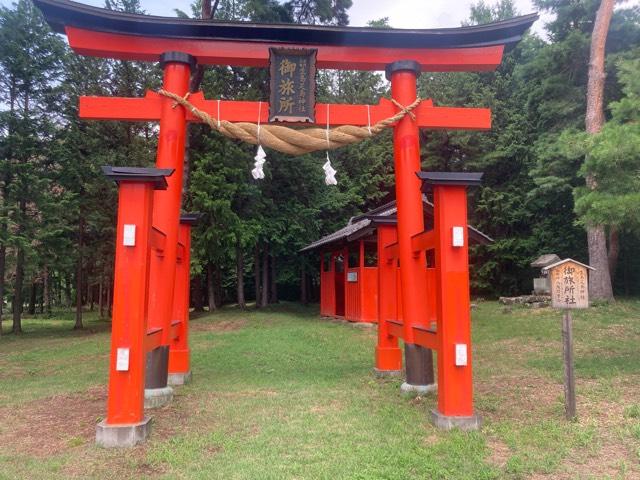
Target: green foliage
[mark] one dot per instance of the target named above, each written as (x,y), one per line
(533,157)
(616,148)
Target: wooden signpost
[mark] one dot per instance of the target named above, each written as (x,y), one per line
(569,290)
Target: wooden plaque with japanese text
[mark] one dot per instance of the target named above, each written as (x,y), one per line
(569,285)
(293,85)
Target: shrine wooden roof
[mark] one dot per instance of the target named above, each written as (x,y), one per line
(64,13)
(364,225)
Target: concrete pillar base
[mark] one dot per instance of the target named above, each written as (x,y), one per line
(124,435)
(409,390)
(157,397)
(179,378)
(364,324)
(445,422)
(387,373)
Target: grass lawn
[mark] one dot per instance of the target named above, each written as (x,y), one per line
(281,393)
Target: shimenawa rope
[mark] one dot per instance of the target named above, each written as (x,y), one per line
(289,140)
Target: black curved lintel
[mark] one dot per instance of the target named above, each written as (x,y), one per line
(62,13)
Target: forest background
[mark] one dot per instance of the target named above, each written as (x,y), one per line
(57,210)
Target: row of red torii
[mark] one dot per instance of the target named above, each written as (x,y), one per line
(149,341)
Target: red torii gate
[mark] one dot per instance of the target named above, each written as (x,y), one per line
(179,43)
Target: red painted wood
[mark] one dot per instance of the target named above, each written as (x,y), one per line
(352,304)
(431,297)
(158,239)
(388,354)
(391,252)
(256,54)
(339,281)
(423,241)
(399,313)
(153,339)
(409,203)
(425,337)
(150,107)
(395,328)
(129,325)
(166,212)
(369,295)
(179,352)
(455,386)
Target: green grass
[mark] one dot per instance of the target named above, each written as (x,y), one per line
(282,394)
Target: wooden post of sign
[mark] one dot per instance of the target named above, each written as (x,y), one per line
(569,290)
(569,378)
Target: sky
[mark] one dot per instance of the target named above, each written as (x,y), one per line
(401,13)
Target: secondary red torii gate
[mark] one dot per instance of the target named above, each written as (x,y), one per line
(179,43)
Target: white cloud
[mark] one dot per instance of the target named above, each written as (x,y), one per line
(422,13)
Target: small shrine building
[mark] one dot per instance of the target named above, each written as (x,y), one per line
(349,265)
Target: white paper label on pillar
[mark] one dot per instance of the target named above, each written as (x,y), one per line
(122,360)
(458,236)
(129,235)
(461,354)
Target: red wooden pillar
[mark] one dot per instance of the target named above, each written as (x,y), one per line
(388,354)
(418,360)
(455,383)
(166,217)
(179,352)
(126,424)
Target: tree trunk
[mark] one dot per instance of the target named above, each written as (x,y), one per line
(33,295)
(614,252)
(41,300)
(600,279)
(256,273)
(79,280)
(108,299)
(211,290)
(273,290)
(197,294)
(218,288)
(265,276)
(240,274)
(46,291)
(101,294)
(59,288)
(3,256)
(599,284)
(207,11)
(304,297)
(67,291)
(17,292)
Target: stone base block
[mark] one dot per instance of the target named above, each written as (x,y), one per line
(386,373)
(364,324)
(157,397)
(445,422)
(123,436)
(417,390)
(179,378)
